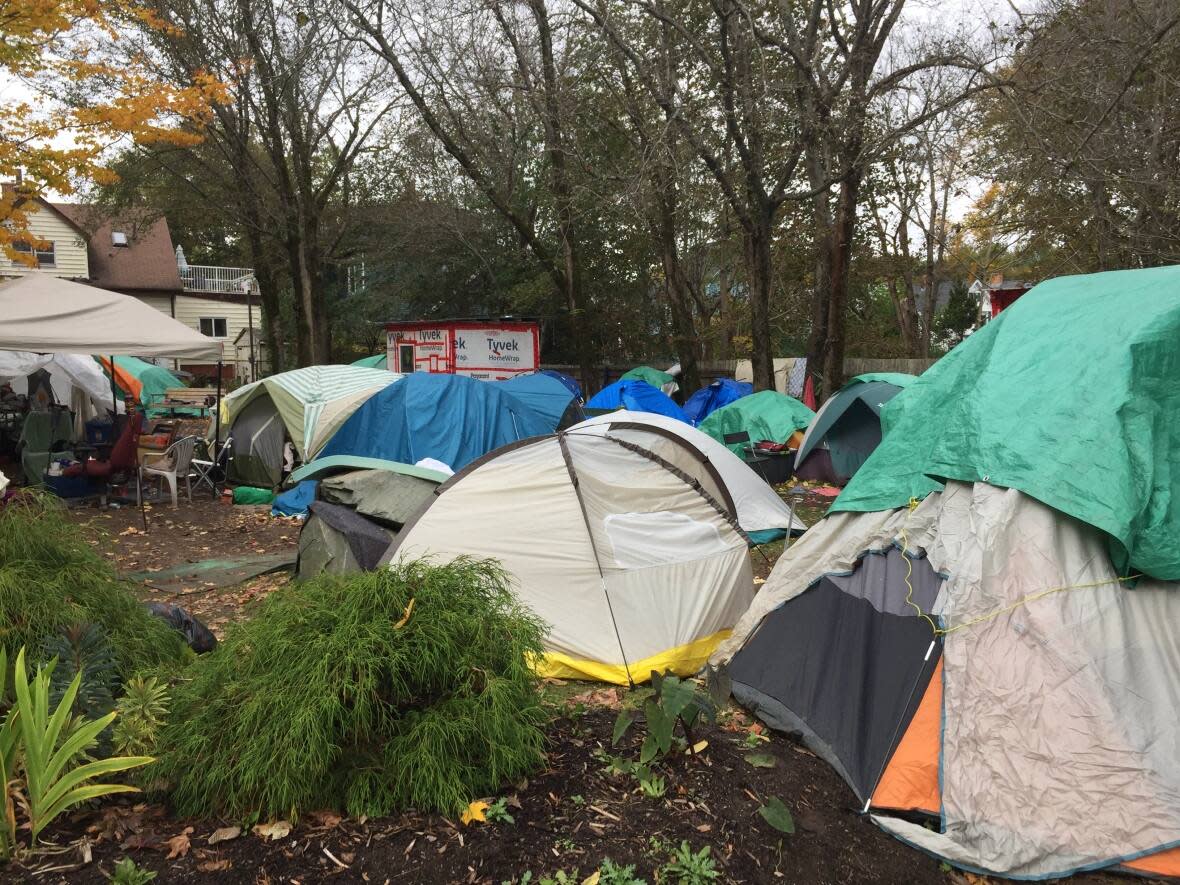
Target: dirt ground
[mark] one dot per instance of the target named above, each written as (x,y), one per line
(568,818)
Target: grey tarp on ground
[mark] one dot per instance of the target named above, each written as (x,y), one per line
(335,540)
(380,494)
(258,435)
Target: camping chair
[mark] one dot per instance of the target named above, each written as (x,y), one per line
(752,459)
(211,470)
(172,464)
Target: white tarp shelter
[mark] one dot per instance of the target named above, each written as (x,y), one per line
(46,314)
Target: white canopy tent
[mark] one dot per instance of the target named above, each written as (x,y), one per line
(46,314)
(42,314)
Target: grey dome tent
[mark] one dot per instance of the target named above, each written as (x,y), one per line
(848,427)
(258,435)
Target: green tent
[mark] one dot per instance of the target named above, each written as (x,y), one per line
(764,415)
(657,379)
(376,361)
(1070,396)
(848,425)
(145,381)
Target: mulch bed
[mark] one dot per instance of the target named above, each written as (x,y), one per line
(570,816)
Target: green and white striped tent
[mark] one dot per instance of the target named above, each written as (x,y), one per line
(311,403)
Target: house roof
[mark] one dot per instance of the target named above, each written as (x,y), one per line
(148,261)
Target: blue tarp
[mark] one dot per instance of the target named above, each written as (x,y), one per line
(451,418)
(296,500)
(638,396)
(545,395)
(568,380)
(720,393)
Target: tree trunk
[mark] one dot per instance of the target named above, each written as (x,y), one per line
(757,237)
(840,263)
(725,345)
(268,295)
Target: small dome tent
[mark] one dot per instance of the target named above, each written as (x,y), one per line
(549,397)
(982,632)
(760,512)
(629,563)
(636,396)
(848,426)
(452,419)
(712,397)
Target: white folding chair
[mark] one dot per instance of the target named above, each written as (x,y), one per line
(211,470)
(172,464)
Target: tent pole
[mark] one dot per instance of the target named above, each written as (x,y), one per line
(114,398)
(217,415)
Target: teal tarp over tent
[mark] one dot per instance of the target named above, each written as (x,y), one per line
(1070,396)
(764,415)
(376,361)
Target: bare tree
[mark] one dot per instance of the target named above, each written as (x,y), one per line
(485,79)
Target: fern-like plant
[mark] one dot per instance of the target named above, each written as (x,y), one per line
(44,758)
(140,714)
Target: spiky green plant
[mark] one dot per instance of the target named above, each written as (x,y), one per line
(82,649)
(141,713)
(404,687)
(50,577)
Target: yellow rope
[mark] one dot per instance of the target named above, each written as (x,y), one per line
(1032,597)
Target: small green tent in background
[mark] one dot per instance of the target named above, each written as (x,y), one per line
(764,415)
(145,381)
(657,379)
(376,361)
(849,423)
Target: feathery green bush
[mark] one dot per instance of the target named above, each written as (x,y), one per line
(370,693)
(51,578)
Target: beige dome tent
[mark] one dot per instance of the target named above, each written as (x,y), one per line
(630,563)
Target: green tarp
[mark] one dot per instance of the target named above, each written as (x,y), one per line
(764,415)
(1072,396)
(376,361)
(897,379)
(654,377)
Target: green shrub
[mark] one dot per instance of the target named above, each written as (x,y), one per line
(51,578)
(404,687)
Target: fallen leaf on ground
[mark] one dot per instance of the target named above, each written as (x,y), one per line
(761,760)
(592,879)
(273,831)
(599,697)
(325,820)
(178,845)
(224,834)
(475,811)
(699,747)
(405,619)
(214,866)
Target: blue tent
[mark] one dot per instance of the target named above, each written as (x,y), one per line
(547,396)
(638,396)
(451,418)
(568,380)
(720,393)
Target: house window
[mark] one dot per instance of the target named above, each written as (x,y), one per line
(214,327)
(43,253)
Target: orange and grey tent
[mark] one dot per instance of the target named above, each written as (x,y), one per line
(1048,747)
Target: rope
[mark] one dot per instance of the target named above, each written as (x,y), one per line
(1024,600)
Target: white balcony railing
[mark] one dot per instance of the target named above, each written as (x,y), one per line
(221,280)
